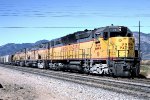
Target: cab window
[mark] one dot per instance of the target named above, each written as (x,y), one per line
(105,35)
(120,34)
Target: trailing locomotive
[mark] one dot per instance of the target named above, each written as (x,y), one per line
(106,50)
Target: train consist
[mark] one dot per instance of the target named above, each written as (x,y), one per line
(106,50)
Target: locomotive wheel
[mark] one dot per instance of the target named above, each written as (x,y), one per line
(82,71)
(22,64)
(135,71)
(86,70)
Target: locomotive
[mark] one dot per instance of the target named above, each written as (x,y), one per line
(106,50)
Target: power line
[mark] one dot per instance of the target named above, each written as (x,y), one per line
(44,27)
(71,27)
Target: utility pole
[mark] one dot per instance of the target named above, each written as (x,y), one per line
(139,40)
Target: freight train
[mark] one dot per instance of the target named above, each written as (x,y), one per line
(106,50)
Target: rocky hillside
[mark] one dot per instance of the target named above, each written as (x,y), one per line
(11,48)
(145,44)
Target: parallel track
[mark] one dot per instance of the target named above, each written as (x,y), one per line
(135,87)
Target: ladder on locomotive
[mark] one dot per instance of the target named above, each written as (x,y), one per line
(85,53)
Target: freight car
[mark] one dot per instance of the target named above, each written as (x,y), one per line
(7,59)
(105,50)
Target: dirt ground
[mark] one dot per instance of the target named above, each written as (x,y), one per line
(145,70)
(9,91)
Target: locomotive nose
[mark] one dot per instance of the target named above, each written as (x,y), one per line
(125,47)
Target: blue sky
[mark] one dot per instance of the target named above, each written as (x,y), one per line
(23,21)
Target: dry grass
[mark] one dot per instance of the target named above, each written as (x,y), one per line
(145,70)
(145,62)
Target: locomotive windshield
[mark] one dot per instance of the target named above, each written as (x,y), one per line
(120,34)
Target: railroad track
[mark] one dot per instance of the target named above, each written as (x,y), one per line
(133,87)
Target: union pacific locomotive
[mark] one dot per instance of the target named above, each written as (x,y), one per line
(106,50)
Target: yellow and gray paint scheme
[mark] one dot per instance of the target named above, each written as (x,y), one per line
(106,50)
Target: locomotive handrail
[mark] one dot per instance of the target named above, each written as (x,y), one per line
(81,53)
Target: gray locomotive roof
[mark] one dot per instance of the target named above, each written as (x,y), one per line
(97,30)
(101,29)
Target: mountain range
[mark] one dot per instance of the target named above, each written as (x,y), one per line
(145,44)
(11,48)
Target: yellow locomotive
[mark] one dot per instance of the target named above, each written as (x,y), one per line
(106,50)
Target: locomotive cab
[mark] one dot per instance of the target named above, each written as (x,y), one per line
(121,57)
(122,43)
(114,52)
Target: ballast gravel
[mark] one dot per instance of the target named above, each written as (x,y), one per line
(19,85)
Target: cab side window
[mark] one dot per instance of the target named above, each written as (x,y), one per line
(52,43)
(97,35)
(105,35)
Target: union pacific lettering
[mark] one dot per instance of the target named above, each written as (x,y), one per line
(70,48)
(127,45)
